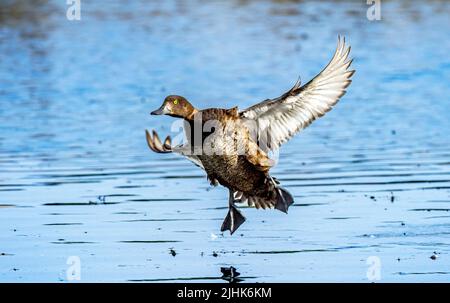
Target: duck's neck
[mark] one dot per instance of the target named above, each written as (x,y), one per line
(190,117)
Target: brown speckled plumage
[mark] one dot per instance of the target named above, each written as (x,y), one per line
(230,169)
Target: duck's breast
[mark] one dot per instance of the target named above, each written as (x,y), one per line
(224,152)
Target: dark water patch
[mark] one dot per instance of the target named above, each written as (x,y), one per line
(14,185)
(150,241)
(140,164)
(393,221)
(160,220)
(111,196)
(341,218)
(62,224)
(127,213)
(310,196)
(184,177)
(373,162)
(161,200)
(215,208)
(7,205)
(369,183)
(90,175)
(273,252)
(12,189)
(189,279)
(406,234)
(423,273)
(430,209)
(66,214)
(132,186)
(175,279)
(49,183)
(357,246)
(380,190)
(73,242)
(436,217)
(357,176)
(334,249)
(80,203)
(426,244)
(307,204)
(3,254)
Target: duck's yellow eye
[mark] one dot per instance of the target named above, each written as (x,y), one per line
(175,101)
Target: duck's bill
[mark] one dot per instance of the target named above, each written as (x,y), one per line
(159,111)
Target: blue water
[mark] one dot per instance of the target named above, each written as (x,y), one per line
(371,178)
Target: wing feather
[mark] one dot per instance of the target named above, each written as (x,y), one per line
(281,118)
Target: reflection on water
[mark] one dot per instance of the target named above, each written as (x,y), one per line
(230,274)
(76,177)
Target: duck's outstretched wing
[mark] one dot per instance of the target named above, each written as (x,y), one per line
(155,144)
(281,118)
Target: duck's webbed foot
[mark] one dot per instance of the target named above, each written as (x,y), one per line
(234,218)
(156,145)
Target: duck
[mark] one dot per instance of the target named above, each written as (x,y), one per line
(233,147)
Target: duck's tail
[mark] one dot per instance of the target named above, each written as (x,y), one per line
(273,196)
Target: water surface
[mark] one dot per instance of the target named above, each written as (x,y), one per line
(372,178)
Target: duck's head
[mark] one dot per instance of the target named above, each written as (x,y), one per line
(176,106)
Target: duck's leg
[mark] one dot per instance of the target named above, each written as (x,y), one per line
(234,218)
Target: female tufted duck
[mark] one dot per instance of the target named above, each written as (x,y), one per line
(232,146)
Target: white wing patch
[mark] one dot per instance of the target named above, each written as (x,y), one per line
(281,118)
